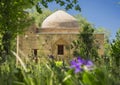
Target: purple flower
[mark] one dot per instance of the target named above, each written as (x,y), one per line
(80,65)
(88,65)
(77,65)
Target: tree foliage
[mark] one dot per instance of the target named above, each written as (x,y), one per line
(68,4)
(115,55)
(115,51)
(85,45)
(39,18)
(14,17)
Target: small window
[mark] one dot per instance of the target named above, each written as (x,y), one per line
(35,52)
(60,49)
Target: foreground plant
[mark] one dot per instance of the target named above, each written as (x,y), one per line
(80,65)
(52,73)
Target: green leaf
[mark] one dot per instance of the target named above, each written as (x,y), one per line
(75,1)
(62,3)
(39,10)
(77,7)
(18,83)
(88,79)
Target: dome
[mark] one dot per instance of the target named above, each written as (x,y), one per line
(60,19)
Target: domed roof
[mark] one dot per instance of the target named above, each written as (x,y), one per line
(60,19)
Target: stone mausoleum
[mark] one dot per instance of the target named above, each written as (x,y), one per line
(54,37)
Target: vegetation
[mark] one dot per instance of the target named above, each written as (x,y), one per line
(85,45)
(115,57)
(115,49)
(47,72)
(39,18)
(14,18)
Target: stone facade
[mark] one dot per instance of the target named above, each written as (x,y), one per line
(54,39)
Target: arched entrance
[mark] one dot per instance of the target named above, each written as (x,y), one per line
(60,48)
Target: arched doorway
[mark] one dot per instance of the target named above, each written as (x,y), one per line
(59,48)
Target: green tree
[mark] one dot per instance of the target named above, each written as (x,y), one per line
(115,51)
(85,46)
(14,17)
(39,18)
(115,54)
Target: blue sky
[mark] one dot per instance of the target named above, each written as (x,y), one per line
(101,13)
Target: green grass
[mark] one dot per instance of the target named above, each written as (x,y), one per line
(47,72)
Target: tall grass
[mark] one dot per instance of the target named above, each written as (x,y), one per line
(46,72)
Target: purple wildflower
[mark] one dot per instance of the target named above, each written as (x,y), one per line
(77,65)
(88,65)
(80,64)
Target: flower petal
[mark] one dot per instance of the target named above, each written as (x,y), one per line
(89,63)
(73,64)
(78,69)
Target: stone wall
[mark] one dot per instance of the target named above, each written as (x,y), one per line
(46,42)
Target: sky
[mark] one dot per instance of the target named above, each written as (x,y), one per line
(100,13)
